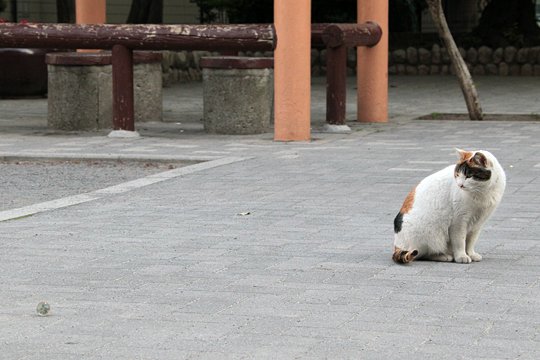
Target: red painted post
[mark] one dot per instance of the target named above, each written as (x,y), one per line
(336,85)
(123,98)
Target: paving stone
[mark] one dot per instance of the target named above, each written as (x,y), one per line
(171,270)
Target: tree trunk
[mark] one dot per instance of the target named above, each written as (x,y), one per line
(462,72)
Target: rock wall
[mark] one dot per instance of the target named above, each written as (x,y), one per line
(481,61)
(183,66)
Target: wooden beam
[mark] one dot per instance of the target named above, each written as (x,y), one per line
(140,37)
(352,35)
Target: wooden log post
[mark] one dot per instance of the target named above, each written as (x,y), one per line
(122,83)
(336,85)
(339,37)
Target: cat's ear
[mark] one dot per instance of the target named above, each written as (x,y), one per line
(480,159)
(463,155)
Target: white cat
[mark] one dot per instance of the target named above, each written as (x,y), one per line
(442,217)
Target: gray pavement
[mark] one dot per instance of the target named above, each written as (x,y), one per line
(271,250)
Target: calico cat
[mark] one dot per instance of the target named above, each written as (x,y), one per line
(442,216)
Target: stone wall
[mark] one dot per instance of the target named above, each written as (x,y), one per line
(183,66)
(481,61)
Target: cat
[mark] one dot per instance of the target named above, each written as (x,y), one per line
(442,216)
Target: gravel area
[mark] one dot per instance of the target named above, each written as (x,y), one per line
(29,182)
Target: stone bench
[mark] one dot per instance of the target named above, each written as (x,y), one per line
(80,89)
(237,94)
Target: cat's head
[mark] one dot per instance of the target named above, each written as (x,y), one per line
(474,170)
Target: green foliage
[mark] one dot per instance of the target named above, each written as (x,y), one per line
(3,5)
(504,23)
(403,13)
(146,12)
(323,11)
(238,11)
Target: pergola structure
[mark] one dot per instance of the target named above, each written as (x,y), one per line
(292,64)
(293,68)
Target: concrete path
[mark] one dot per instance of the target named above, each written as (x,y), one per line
(272,250)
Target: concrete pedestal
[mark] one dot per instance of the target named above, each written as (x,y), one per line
(80,90)
(237,94)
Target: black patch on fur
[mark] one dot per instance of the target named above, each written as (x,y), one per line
(480,159)
(398,221)
(477,173)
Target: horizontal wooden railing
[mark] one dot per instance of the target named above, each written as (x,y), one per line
(139,37)
(367,34)
(123,39)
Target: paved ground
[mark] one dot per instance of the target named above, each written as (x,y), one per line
(272,250)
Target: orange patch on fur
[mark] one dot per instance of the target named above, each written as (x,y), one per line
(403,257)
(408,203)
(465,155)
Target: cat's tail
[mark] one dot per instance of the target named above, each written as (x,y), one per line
(403,256)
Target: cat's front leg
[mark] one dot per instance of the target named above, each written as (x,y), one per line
(457,240)
(470,241)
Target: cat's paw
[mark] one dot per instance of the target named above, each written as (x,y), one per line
(463,259)
(475,256)
(442,257)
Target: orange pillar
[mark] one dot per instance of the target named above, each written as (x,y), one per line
(292,70)
(90,11)
(373,65)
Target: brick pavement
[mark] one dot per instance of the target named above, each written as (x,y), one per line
(172,270)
